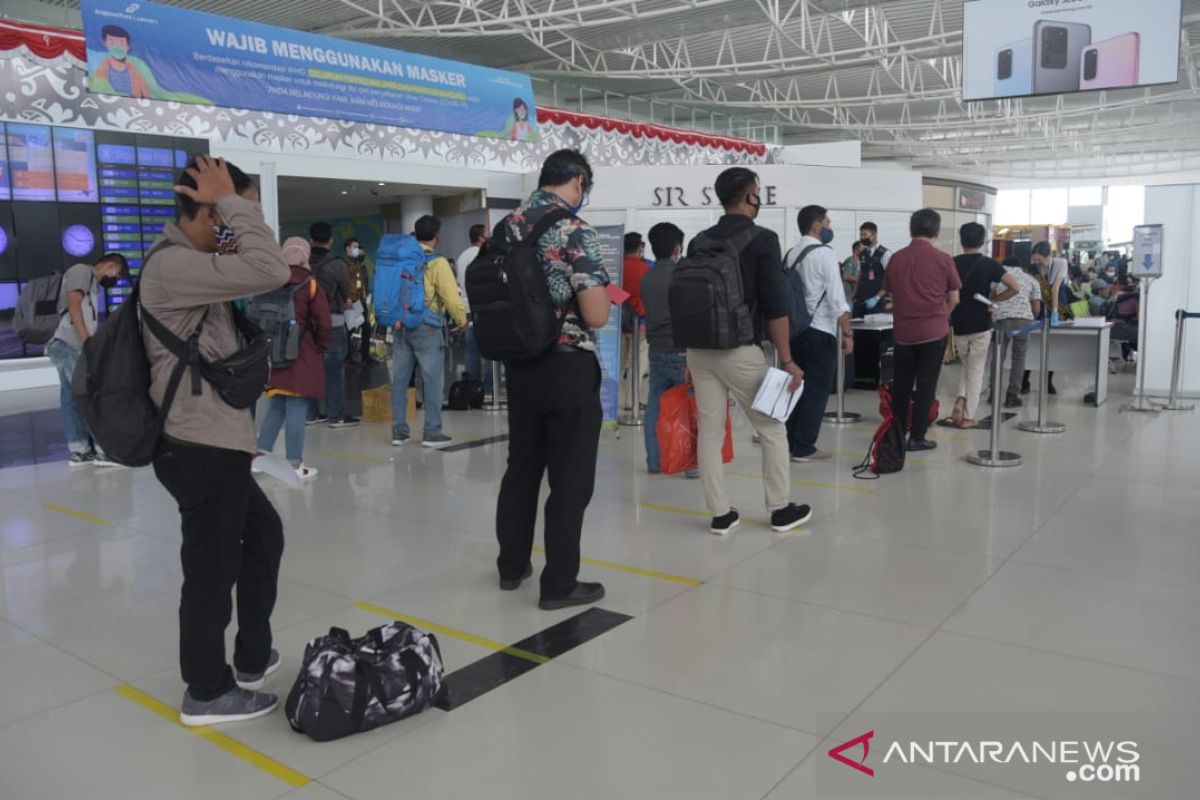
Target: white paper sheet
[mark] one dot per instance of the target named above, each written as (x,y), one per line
(773,398)
(983,299)
(355,316)
(276,467)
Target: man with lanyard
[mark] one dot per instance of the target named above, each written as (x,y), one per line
(875,258)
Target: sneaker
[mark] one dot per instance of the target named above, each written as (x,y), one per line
(790,517)
(816,455)
(236,705)
(101,460)
(512,586)
(919,445)
(346,422)
(400,439)
(721,526)
(438,440)
(319,419)
(1011,400)
(582,595)
(305,473)
(253,681)
(81,460)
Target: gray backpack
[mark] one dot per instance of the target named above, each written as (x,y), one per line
(349,685)
(275,313)
(37,316)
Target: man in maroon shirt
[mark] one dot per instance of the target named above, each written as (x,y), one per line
(924,286)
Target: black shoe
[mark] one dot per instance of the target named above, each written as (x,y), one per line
(721,526)
(582,595)
(790,518)
(512,586)
(1012,401)
(917,445)
(1050,388)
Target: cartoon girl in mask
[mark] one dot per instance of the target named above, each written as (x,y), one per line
(520,129)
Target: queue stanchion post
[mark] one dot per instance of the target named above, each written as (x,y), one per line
(841,416)
(994,456)
(498,405)
(1173,402)
(1141,402)
(633,418)
(1041,424)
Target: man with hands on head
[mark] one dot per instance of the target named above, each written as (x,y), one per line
(232,536)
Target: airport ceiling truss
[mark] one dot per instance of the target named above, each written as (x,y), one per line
(887,72)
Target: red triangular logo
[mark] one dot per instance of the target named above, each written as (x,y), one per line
(865,741)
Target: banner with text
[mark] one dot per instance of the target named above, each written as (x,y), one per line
(156,52)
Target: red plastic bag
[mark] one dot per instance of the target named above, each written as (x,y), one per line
(678,431)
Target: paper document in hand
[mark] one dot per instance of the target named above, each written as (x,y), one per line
(355,317)
(277,467)
(983,299)
(774,399)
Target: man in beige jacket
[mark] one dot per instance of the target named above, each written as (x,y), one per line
(232,535)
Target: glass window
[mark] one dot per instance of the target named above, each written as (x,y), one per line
(1048,207)
(1012,207)
(1087,196)
(1126,209)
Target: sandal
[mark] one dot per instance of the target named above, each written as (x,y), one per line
(968,424)
(960,409)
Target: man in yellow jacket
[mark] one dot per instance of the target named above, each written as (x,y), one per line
(426,345)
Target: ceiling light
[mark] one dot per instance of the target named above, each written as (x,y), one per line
(345,191)
(381,183)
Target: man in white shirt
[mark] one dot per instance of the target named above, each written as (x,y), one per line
(816,349)
(476,367)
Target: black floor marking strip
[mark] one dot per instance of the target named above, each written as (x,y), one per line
(454,448)
(493,671)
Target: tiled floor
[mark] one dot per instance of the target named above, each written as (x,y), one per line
(1058,601)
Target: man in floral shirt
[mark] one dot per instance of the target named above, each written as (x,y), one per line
(554,412)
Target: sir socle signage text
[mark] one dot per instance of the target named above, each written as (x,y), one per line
(679,197)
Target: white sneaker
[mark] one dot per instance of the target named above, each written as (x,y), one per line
(102,460)
(305,473)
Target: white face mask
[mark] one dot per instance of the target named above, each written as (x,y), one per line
(355,252)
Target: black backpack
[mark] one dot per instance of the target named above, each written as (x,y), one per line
(466,394)
(514,316)
(275,313)
(707,298)
(36,317)
(349,685)
(111,386)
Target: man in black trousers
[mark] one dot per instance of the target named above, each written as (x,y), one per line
(554,412)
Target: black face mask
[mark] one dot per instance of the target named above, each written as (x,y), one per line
(866,243)
(108,283)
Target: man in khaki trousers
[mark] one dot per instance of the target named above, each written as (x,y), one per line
(719,374)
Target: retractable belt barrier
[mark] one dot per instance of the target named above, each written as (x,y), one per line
(1173,404)
(1041,425)
(994,456)
(841,416)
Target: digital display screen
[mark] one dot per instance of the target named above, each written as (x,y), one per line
(117,154)
(31,162)
(5,186)
(8,246)
(156,157)
(1047,47)
(75,166)
(39,239)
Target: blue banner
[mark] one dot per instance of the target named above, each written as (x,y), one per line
(157,52)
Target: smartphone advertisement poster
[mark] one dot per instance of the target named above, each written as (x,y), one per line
(1023,48)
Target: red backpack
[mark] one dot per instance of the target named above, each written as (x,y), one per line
(886,453)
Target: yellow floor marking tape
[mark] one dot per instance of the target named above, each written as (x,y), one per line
(230,745)
(690,513)
(841,487)
(648,573)
(453,633)
(70,512)
(353,457)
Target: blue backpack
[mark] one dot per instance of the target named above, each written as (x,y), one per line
(798,317)
(400,283)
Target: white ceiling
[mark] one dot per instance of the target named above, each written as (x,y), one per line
(790,71)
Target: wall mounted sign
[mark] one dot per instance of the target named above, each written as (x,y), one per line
(150,51)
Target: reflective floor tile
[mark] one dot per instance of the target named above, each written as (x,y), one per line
(624,741)
(1143,625)
(775,652)
(869,576)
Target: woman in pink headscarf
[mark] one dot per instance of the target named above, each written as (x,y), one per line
(291,386)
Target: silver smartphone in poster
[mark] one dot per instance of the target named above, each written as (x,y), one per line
(1014,69)
(1057,48)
